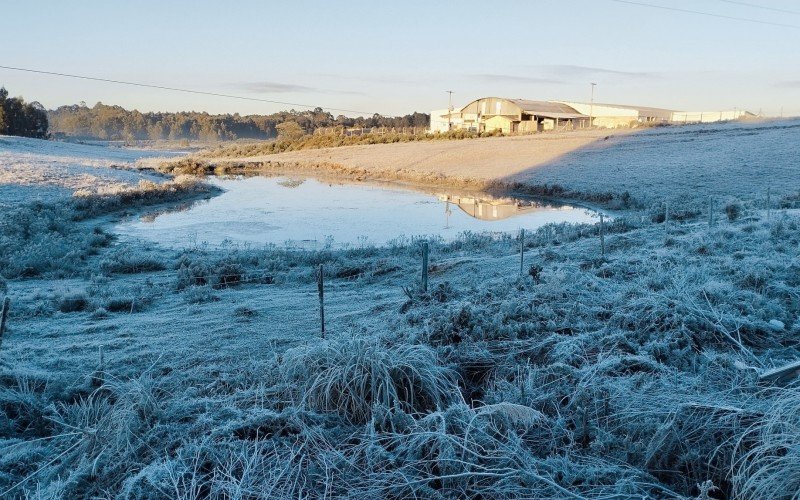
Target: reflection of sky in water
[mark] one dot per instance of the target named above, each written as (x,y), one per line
(311,213)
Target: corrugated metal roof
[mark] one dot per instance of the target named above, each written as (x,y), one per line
(547,109)
(641,109)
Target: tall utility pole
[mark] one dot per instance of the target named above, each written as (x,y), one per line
(591,106)
(449,109)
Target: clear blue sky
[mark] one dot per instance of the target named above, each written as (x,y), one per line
(398,57)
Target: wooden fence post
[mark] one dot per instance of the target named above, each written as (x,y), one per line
(321,290)
(666,216)
(602,236)
(521,251)
(710,211)
(424,266)
(101,375)
(4,318)
(768,205)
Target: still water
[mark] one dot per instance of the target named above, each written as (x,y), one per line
(308,213)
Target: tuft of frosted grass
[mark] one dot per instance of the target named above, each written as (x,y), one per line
(128,261)
(97,439)
(767,463)
(349,376)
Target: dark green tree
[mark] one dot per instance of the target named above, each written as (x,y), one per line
(3,97)
(116,123)
(20,118)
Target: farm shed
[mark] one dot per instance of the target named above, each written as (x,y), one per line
(519,115)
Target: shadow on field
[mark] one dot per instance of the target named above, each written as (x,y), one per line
(727,159)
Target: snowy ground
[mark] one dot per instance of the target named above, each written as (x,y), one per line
(130,370)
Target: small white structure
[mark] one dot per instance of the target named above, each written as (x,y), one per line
(709,116)
(443,120)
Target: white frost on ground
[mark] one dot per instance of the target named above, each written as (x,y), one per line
(727,159)
(627,375)
(32,169)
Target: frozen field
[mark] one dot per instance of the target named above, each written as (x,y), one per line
(626,367)
(731,159)
(32,169)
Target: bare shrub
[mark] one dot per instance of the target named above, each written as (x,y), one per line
(73,303)
(130,261)
(733,209)
(218,273)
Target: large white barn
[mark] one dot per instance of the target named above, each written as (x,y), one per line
(510,116)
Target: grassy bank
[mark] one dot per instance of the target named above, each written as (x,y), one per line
(56,239)
(612,200)
(630,373)
(319,141)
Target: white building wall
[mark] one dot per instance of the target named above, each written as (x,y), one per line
(440,120)
(707,116)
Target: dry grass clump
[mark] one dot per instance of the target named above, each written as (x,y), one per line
(225,271)
(350,376)
(181,188)
(459,452)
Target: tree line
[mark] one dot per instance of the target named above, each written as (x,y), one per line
(20,118)
(106,122)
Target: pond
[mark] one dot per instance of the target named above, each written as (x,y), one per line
(308,213)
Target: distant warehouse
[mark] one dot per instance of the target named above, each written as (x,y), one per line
(616,115)
(508,116)
(525,116)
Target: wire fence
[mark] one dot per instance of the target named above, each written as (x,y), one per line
(167,283)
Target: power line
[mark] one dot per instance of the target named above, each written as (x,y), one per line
(764,7)
(187,91)
(709,14)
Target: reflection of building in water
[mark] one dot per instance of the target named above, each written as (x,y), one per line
(183,207)
(489,208)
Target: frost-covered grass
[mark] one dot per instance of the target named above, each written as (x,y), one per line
(740,159)
(633,373)
(129,370)
(35,169)
(57,238)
